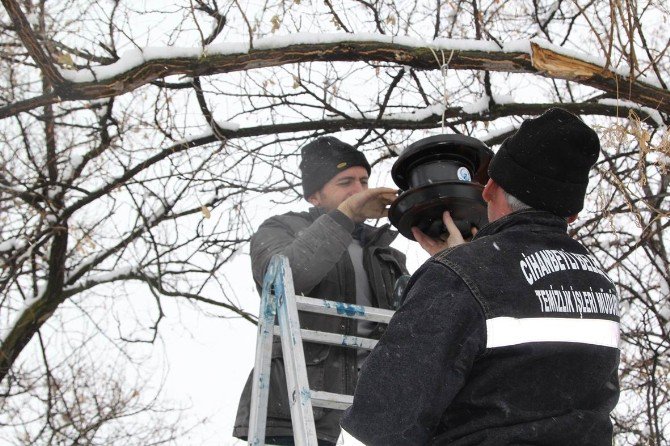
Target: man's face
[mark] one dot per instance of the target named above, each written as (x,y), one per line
(340,187)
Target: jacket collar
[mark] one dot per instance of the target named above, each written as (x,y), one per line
(315,212)
(381,236)
(527,217)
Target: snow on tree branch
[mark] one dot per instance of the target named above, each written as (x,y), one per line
(140,67)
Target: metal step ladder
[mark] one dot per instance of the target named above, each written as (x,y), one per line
(278,299)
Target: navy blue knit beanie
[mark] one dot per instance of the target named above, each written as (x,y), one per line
(546,163)
(324,158)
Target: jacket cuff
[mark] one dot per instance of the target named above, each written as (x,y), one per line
(341,219)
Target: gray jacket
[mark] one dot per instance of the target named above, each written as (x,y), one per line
(316,245)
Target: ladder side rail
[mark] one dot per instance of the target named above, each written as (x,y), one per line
(299,394)
(261,378)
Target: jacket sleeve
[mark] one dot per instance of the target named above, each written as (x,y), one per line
(421,362)
(312,252)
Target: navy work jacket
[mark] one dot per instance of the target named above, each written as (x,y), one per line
(509,339)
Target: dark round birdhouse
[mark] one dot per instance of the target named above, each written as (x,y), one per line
(437,174)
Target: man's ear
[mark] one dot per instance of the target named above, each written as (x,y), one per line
(314,200)
(572,218)
(489,189)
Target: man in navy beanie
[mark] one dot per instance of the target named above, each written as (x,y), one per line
(512,338)
(333,255)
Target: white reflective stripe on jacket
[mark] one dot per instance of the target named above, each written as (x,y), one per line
(346,439)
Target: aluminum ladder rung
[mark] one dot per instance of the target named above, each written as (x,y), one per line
(342,309)
(331,400)
(324,337)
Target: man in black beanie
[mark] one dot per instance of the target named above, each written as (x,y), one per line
(509,339)
(335,256)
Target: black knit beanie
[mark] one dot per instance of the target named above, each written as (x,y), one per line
(546,162)
(324,158)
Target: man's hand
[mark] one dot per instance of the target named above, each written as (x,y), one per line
(434,245)
(370,203)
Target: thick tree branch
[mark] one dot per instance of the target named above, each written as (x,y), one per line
(35,49)
(540,61)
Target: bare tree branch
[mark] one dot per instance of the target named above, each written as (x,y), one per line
(540,61)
